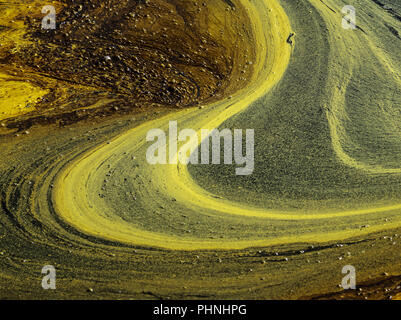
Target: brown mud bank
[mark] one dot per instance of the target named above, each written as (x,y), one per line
(107,57)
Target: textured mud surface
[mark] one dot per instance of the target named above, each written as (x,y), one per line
(77,192)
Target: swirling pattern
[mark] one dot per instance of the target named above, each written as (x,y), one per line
(325,192)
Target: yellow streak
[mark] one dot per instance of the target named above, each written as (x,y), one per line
(71,200)
(15,96)
(337,102)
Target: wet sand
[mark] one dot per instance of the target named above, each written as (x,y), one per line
(78,193)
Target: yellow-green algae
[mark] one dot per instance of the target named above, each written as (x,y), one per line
(146,233)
